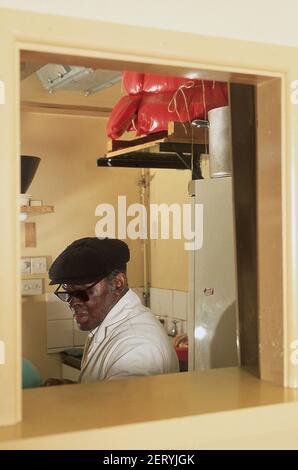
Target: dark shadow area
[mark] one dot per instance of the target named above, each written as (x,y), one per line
(223,348)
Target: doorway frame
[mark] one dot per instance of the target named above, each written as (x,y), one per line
(155,50)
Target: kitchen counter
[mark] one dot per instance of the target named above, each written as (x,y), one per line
(70,360)
(219,408)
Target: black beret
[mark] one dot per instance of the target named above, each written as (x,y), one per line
(87,260)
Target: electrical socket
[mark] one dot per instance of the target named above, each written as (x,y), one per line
(25,266)
(38,265)
(31,286)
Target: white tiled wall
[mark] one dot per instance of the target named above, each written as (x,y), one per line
(170,305)
(62,330)
(60,334)
(180,304)
(139,291)
(161,301)
(56,309)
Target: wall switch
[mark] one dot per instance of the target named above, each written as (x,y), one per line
(31,286)
(38,265)
(25,265)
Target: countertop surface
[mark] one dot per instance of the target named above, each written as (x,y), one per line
(76,408)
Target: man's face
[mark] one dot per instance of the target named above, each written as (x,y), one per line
(90,313)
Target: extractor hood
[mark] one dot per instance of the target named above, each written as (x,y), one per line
(69,77)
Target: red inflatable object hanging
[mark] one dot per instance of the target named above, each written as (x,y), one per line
(136,83)
(155,111)
(122,116)
(133,82)
(156,99)
(163,83)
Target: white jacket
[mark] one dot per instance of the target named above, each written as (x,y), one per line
(129,342)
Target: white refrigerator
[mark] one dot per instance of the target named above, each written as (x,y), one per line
(212,320)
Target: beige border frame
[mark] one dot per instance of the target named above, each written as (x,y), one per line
(154,49)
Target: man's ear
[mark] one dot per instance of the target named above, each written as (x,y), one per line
(120,281)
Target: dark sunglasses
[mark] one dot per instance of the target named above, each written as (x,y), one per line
(81,294)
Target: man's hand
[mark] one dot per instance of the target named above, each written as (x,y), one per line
(50,382)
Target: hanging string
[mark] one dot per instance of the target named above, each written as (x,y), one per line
(133,122)
(173,106)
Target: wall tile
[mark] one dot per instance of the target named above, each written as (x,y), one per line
(183,327)
(56,309)
(60,333)
(180,304)
(161,301)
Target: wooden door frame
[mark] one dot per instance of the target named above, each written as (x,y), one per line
(128,47)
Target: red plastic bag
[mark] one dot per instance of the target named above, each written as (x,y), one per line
(136,83)
(122,116)
(154,113)
(163,83)
(184,105)
(133,82)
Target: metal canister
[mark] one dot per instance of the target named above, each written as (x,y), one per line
(220,149)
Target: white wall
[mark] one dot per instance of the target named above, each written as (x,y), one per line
(254,20)
(68,179)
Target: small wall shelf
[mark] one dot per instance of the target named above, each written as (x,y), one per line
(30,227)
(37,210)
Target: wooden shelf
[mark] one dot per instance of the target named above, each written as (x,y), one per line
(178,148)
(37,210)
(176,133)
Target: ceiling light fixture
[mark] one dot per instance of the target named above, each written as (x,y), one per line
(68,77)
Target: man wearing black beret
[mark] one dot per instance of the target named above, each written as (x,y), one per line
(125,338)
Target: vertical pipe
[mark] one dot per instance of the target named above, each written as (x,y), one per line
(145,201)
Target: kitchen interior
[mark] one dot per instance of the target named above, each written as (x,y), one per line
(66,129)
(214,404)
(198,295)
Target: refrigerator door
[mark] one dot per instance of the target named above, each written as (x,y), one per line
(213,332)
